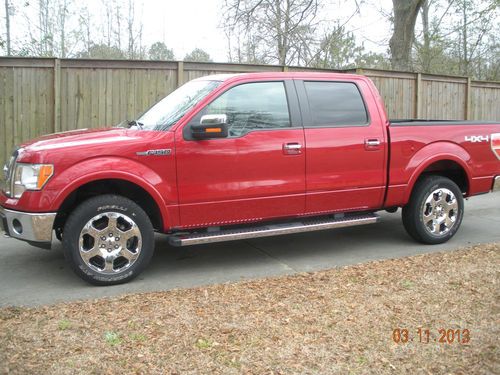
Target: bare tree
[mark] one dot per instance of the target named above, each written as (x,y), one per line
(118,28)
(475,25)
(46,27)
(85,27)
(430,45)
(459,37)
(62,13)
(405,17)
(426,47)
(275,30)
(113,30)
(7,25)
(109,20)
(134,31)
(130,28)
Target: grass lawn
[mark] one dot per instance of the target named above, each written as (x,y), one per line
(339,321)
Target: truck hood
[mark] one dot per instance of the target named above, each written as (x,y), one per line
(82,144)
(77,137)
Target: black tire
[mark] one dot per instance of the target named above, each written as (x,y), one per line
(133,248)
(418,214)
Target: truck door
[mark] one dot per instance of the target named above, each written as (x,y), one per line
(345,145)
(257,172)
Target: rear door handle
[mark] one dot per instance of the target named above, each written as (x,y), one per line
(292,148)
(372,144)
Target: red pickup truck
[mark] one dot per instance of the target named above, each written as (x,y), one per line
(228,157)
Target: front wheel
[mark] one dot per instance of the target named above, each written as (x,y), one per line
(108,240)
(435,210)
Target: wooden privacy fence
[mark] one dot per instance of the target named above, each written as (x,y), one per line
(46,95)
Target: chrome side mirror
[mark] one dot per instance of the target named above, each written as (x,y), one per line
(211,126)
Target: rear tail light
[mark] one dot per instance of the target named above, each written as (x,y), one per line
(495,144)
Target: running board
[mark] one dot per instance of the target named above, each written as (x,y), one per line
(309,225)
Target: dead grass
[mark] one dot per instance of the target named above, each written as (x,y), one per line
(336,321)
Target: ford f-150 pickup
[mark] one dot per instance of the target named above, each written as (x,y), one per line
(229,157)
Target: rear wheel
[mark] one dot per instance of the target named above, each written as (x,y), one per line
(435,210)
(108,240)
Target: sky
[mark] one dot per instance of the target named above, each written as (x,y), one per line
(187,24)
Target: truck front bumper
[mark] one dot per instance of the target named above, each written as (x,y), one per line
(496,184)
(34,228)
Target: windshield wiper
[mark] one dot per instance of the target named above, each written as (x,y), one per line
(140,125)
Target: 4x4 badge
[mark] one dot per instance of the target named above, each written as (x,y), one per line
(160,152)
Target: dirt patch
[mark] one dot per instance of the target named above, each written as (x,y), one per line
(335,321)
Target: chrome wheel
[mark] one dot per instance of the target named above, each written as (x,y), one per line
(110,243)
(440,212)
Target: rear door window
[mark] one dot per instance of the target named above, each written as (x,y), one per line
(335,104)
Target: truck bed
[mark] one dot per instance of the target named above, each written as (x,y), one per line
(458,148)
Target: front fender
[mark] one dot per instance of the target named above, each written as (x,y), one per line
(110,168)
(432,153)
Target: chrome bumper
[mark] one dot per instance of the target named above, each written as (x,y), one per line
(35,228)
(496,184)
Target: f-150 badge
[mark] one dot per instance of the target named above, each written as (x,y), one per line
(160,152)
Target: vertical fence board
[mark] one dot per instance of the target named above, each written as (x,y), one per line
(398,94)
(485,101)
(443,99)
(3,108)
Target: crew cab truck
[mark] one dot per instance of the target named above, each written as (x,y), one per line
(228,157)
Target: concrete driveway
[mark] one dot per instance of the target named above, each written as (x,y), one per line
(31,276)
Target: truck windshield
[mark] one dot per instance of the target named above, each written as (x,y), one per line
(170,109)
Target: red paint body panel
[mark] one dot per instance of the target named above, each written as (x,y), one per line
(251,178)
(233,180)
(85,156)
(343,174)
(414,148)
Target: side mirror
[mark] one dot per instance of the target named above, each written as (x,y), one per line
(211,126)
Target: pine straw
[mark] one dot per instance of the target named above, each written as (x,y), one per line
(336,321)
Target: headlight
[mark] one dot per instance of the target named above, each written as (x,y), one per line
(30,177)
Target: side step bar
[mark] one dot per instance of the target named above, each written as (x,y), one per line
(309,225)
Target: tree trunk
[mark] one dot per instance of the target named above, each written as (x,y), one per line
(280,34)
(465,60)
(130,28)
(62,26)
(426,55)
(405,16)
(7,25)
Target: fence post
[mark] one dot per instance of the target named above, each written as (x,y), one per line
(418,96)
(57,95)
(467,109)
(180,73)
(285,68)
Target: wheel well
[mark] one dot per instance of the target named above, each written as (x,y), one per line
(112,186)
(451,170)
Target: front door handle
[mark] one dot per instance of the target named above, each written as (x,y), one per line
(292,148)
(372,144)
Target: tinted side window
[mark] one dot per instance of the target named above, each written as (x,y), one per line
(336,104)
(253,106)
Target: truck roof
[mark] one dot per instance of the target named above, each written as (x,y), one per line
(280,75)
